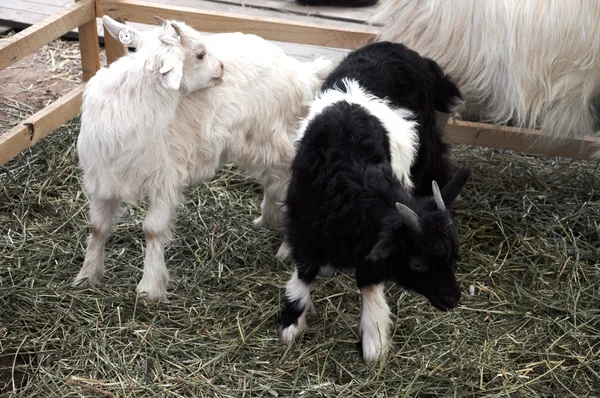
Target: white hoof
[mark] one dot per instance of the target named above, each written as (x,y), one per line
(289,333)
(372,349)
(87,278)
(374,344)
(259,222)
(284,252)
(154,290)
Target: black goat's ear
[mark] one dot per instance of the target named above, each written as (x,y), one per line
(455,185)
(382,249)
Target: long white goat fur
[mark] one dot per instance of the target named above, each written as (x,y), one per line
(138,140)
(535,63)
(180,142)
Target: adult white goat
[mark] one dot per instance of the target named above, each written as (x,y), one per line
(139,139)
(531,63)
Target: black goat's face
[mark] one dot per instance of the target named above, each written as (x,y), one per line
(429,260)
(422,247)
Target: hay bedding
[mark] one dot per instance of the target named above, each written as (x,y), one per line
(531,329)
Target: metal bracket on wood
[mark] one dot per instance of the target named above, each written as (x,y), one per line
(30,130)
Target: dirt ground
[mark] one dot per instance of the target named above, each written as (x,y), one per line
(37,80)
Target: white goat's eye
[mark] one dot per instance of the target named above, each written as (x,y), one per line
(201,55)
(417,264)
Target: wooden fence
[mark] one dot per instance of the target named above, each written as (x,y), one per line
(83,14)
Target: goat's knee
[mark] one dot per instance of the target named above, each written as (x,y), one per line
(101,215)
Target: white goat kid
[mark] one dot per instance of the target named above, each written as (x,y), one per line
(134,143)
(127,108)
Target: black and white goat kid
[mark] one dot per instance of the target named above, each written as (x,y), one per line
(360,193)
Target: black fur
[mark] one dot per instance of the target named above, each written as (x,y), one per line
(291,313)
(393,71)
(338,3)
(341,201)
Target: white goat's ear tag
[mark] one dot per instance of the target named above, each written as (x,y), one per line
(126,36)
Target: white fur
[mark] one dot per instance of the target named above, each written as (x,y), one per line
(535,63)
(297,291)
(402,132)
(139,139)
(284,251)
(290,333)
(374,323)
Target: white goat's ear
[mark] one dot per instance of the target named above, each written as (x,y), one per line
(125,34)
(171,73)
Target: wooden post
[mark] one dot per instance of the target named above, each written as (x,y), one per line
(114,48)
(89,47)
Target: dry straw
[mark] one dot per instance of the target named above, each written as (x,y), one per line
(531,329)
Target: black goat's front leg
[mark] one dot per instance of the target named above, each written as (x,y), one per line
(375,321)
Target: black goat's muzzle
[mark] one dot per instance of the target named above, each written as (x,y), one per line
(446,299)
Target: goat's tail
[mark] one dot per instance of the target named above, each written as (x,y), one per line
(321,67)
(447,95)
(338,3)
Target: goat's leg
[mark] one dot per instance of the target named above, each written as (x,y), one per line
(284,251)
(274,182)
(292,321)
(374,322)
(102,212)
(271,212)
(158,226)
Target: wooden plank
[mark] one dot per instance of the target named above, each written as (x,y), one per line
(40,125)
(19,15)
(44,9)
(522,140)
(89,46)
(350,14)
(262,12)
(14,16)
(24,43)
(299,51)
(268,28)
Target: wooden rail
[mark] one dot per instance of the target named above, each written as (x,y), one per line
(83,16)
(522,140)
(80,15)
(31,130)
(212,21)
